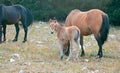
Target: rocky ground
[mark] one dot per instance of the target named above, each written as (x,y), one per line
(40,54)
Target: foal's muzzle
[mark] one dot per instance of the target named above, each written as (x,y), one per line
(52,32)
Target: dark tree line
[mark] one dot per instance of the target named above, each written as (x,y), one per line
(45,9)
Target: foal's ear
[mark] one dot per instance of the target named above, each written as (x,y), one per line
(50,20)
(55,21)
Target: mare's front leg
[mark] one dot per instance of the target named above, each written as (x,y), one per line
(81,43)
(4,32)
(17,32)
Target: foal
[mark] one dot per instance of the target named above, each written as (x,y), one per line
(65,35)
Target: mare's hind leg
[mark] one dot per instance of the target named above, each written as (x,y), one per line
(17,32)
(81,43)
(4,32)
(100,43)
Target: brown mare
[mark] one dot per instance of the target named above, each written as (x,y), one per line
(90,22)
(66,35)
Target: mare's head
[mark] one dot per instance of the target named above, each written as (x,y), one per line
(53,23)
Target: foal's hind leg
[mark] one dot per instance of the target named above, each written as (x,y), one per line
(71,48)
(81,43)
(78,49)
(17,32)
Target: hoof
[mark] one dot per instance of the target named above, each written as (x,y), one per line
(98,57)
(61,57)
(14,40)
(24,41)
(82,55)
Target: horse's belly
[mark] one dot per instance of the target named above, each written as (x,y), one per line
(85,32)
(11,22)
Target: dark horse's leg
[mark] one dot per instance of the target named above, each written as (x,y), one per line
(4,32)
(17,32)
(100,43)
(0,33)
(25,30)
(81,43)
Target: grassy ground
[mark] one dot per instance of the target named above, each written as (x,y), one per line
(40,54)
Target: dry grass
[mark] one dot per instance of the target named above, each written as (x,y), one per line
(40,54)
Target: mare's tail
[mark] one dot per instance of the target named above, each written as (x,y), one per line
(104,31)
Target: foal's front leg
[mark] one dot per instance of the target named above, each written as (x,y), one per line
(78,49)
(61,51)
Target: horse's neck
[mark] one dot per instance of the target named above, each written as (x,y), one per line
(58,28)
(61,33)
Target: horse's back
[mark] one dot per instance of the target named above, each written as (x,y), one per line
(10,14)
(15,13)
(70,15)
(87,22)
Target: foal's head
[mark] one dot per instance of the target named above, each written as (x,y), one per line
(53,23)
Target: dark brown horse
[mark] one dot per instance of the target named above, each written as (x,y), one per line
(12,15)
(90,22)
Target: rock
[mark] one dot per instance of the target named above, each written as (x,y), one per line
(39,42)
(11,60)
(92,37)
(112,37)
(37,27)
(96,71)
(86,60)
(16,56)
(84,68)
(88,44)
(41,22)
(21,71)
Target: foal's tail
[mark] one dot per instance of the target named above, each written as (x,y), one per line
(104,31)
(30,17)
